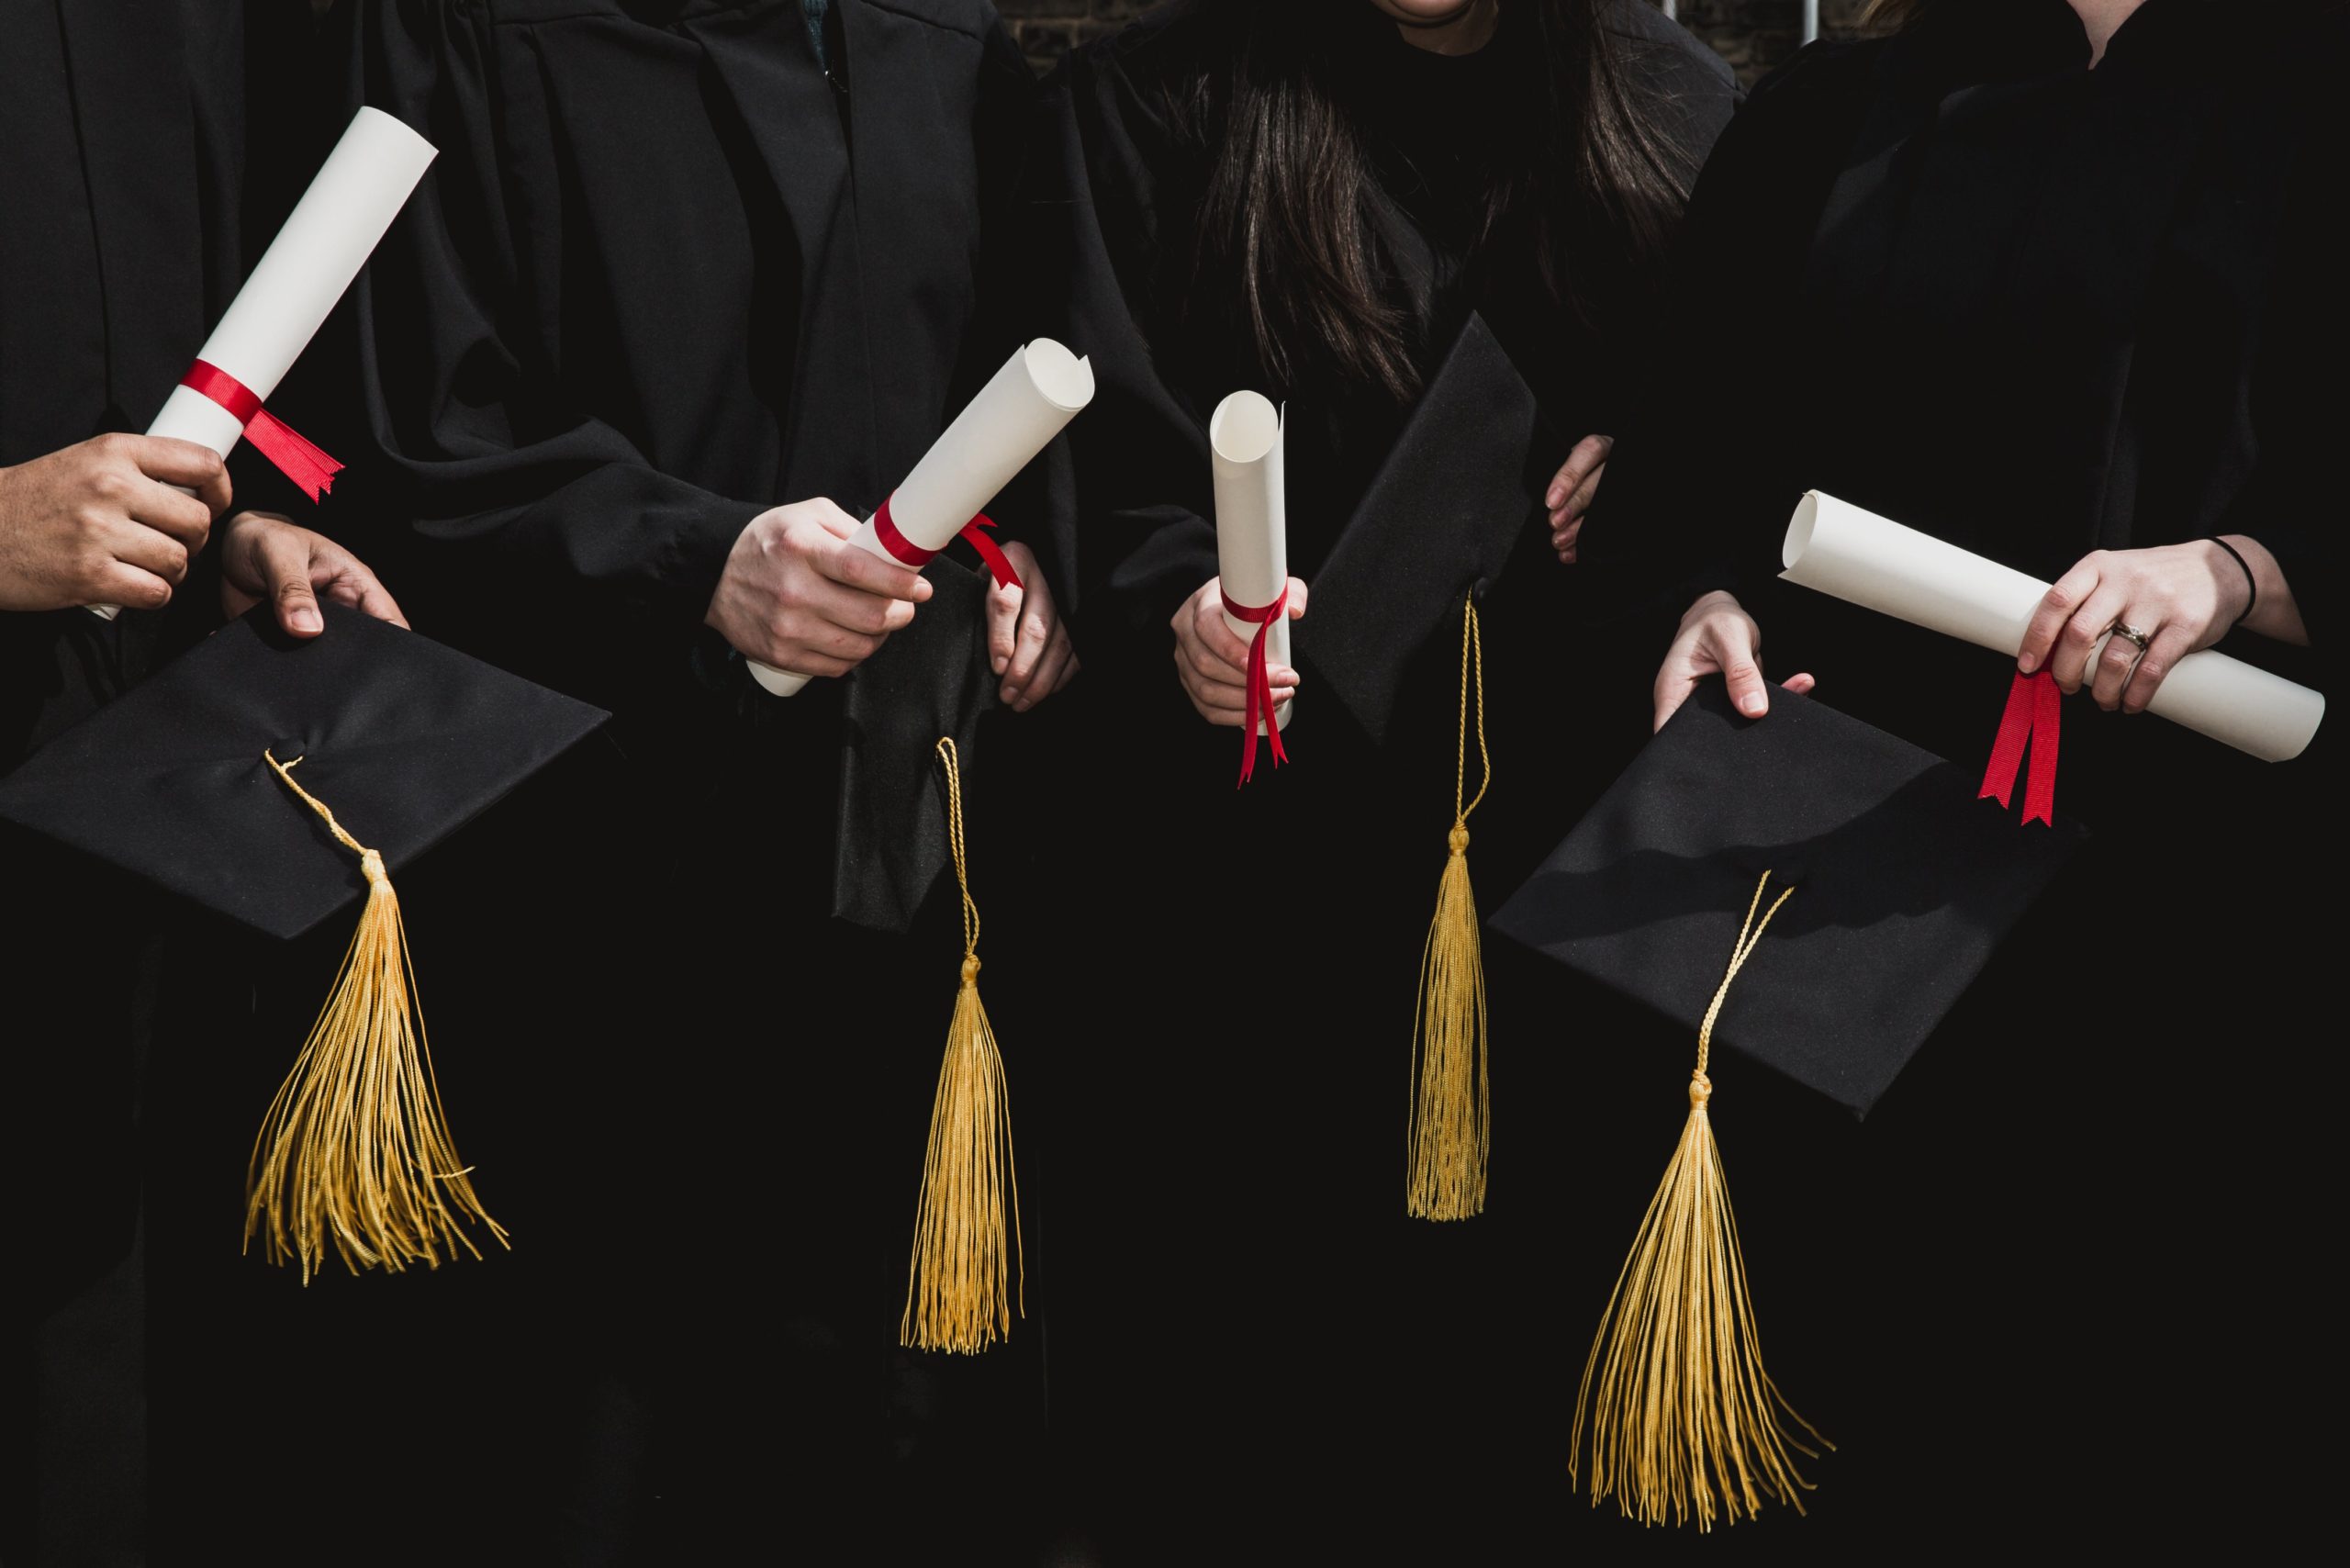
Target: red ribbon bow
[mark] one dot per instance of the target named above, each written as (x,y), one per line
(296,458)
(1259,685)
(2035,710)
(885,528)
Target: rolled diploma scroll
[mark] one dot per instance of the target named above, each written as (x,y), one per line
(999,432)
(328,238)
(1252,519)
(1866,560)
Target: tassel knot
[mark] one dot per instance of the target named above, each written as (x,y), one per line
(971,968)
(371,865)
(1458,839)
(1701,1089)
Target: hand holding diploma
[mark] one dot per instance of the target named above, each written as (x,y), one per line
(798,594)
(1040,389)
(113,519)
(327,239)
(1879,565)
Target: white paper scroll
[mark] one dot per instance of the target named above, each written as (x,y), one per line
(999,432)
(326,240)
(1879,565)
(1252,519)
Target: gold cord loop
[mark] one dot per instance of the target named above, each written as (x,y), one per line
(1472,664)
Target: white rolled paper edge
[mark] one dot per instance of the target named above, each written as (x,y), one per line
(1015,416)
(327,236)
(1245,442)
(1855,555)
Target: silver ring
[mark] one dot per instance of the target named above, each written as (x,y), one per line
(2123,629)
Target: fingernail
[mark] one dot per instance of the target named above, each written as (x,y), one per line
(1001,660)
(1749,705)
(306,619)
(1556,496)
(2029,663)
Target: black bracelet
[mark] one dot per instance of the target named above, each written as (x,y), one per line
(2251,583)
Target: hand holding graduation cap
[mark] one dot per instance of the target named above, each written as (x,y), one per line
(99,522)
(264,557)
(1717,637)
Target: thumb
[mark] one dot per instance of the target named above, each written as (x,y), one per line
(1742,669)
(285,560)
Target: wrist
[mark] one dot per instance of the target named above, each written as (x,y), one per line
(2239,589)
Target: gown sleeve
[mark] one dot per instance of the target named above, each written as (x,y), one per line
(531,520)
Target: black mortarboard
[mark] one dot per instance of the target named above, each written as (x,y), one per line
(406,740)
(931,680)
(1458,491)
(1816,894)
(274,781)
(1904,884)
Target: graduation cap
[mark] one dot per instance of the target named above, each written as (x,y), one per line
(1456,495)
(276,782)
(1454,498)
(1815,894)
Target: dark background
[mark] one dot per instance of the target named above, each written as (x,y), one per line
(1752,35)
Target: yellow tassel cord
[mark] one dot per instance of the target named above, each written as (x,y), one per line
(1450,1130)
(1683,1419)
(960,1289)
(356,1145)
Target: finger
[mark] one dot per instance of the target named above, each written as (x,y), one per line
(2079,639)
(281,559)
(1564,538)
(802,628)
(1035,631)
(132,588)
(828,513)
(1003,625)
(1733,649)
(1207,666)
(786,656)
(151,551)
(1586,454)
(1208,689)
(1296,600)
(871,613)
(2113,667)
(2065,597)
(1801,684)
(2170,644)
(1585,493)
(854,567)
(372,598)
(199,468)
(160,507)
(1053,670)
(1216,641)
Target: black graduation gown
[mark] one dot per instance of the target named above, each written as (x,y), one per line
(1247,1323)
(128,187)
(2035,309)
(670,272)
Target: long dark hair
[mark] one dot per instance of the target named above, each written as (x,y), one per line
(1593,187)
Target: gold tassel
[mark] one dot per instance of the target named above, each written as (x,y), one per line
(1450,1130)
(356,1145)
(959,1290)
(1685,1421)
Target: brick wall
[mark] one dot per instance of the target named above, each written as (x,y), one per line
(1752,35)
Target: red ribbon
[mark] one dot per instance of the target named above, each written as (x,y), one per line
(1259,685)
(2034,709)
(885,528)
(296,458)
